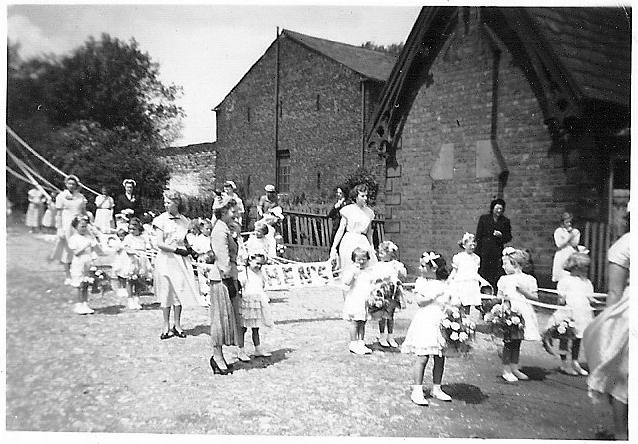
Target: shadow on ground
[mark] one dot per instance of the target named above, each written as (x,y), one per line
(110,310)
(263,362)
(470,394)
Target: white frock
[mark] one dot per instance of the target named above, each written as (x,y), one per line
(358,222)
(424,336)
(575,291)
(465,284)
(355,303)
(561,235)
(507,288)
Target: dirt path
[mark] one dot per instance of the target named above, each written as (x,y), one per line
(109,372)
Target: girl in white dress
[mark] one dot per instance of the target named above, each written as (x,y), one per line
(358,279)
(355,230)
(516,288)
(566,239)
(389,272)
(104,205)
(49,218)
(254,300)
(37,199)
(424,337)
(85,248)
(138,267)
(465,281)
(576,291)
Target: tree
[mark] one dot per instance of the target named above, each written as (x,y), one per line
(392,49)
(366,177)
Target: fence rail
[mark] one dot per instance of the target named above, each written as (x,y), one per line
(315,230)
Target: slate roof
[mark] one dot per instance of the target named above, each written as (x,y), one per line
(594,47)
(369,63)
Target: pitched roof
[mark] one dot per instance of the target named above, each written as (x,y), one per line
(369,63)
(594,47)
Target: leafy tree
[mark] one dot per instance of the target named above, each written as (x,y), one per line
(366,177)
(392,49)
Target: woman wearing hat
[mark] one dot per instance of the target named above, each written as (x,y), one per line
(174,282)
(566,239)
(230,190)
(267,201)
(69,203)
(492,233)
(128,200)
(226,248)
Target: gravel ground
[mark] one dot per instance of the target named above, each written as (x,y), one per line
(109,372)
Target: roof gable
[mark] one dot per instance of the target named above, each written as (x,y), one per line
(372,64)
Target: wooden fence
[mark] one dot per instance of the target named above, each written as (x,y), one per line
(596,238)
(314,230)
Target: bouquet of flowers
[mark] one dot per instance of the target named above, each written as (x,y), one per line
(382,295)
(505,322)
(560,329)
(98,279)
(457,329)
(281,248)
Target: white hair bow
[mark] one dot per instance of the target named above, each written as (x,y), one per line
(430,257)
(582,249)
(467,236)
(508,250)
(391,246)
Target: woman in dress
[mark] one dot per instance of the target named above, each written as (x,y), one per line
(492,233)
(606,341)
(104,205)
(567,239)
(334,214)
(35,209)
(225,247)
(69,203)
(230,189)
(355,229)
(129,200)
(174,282)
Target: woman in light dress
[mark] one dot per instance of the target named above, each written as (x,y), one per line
(355,229)
(69,203)
(566,239)
(174,281)
(104,205)
(35,210)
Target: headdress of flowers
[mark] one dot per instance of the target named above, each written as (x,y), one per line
(392,247)
(467,236)
(429,257)
(508,250)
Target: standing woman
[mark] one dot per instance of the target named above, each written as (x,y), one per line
(225,248)
(104,205)
(128,200)
(492,233)
(334,213)
(566,239)
(174,282)
(69,203)
(35,210)
(355,229)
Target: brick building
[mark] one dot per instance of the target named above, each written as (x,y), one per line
(528,104)
(192,168)
(297,118)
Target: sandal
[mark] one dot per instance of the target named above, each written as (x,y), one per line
(178,333)
(165,335)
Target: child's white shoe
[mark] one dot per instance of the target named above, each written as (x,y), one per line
(353,347)
(383,340)
(519,374)
(509,377)
(417,396)
(121,292)
(136,302)
(87,309)
(67,281)
(440,394)
(261,353)
(242,356)
(78,308)
(581,371)
(392,342)
(362,346)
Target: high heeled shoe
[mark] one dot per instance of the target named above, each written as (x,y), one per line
(216,369)
(179,334)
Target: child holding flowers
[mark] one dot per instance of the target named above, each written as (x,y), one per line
(389,272)
(576,291)
(137,266)
(425,337)
(515,288)
(254,301)
(465,281)
(358,279)
(85,248)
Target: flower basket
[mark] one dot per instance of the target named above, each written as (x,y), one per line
(383,297)
(458,330)
(98,279)
(505,323)
(562,329)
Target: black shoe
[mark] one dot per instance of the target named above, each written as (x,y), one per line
(216,369)
(166,335)
(179,334)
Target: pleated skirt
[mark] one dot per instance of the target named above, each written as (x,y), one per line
(223,324)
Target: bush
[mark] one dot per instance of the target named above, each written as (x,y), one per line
(367,177)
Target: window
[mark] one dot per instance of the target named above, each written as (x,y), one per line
(283,171)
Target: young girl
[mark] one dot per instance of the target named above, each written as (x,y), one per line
(254,300)
(121,222)
(85,249)
(576,291)
(138,267)
(48,220)
(358,279)
(201,242)
(516,288)
(424,337)
(120,262)
(465,281)
(389,271)
(258,242)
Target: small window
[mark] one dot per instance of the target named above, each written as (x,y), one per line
(318,180)
(248,113)
(283,172)
(318,103)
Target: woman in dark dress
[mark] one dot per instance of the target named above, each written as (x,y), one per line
(334,213)
(492,233)
(128,200)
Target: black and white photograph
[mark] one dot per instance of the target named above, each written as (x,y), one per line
(310,221)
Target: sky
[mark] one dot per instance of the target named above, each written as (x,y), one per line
(205,48)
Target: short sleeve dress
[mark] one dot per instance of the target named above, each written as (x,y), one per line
(424,336)
(606,339)
(84,257)
(465,286)
(507,287)
(358,222)
(35,209)
(575,291)
(173,278)
(68,205)
(354,306)
(104,212)
(561,235)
